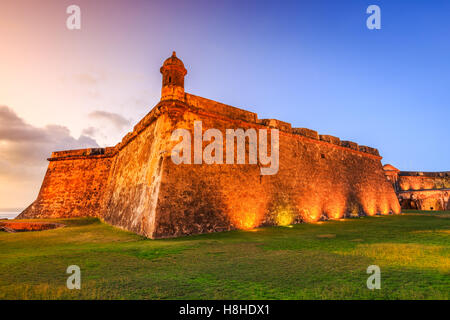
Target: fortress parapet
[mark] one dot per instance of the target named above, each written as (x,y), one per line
(330,139)
(228,111)
(441,174)
(218,108)
(349,144)
(306,133)
(83,153)
(369,150)
(276,124)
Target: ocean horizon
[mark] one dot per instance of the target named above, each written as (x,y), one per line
(9,214)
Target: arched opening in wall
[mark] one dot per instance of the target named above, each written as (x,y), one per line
(170,79)
(322,155)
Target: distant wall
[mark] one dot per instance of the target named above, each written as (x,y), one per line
(73,185)
(420,190)
(408,180)
(429,200)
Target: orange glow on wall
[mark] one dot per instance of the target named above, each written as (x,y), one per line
(404,185)
(284,216)
(416,185)
(428,184)
(369,204)
(335,209)
(247,214)
(395,206)
(311,214)
(384,206)
(246,220)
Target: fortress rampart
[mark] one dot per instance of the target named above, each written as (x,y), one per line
(73,185)
(136,185)
(420,190)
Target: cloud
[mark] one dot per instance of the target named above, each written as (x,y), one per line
(13,128)
(25,148)
(113,118)
(90,131)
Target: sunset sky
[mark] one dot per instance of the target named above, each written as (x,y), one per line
(311,63)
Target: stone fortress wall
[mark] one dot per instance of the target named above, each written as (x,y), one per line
(136,185)
(73,185)
(420,190)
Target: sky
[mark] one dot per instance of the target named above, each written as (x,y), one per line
(314,64)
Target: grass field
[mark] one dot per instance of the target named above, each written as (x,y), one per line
(305,261)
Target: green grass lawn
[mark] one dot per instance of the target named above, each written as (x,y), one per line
(305,261)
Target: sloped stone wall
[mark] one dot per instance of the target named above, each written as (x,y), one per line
(132,190)
(73,186)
